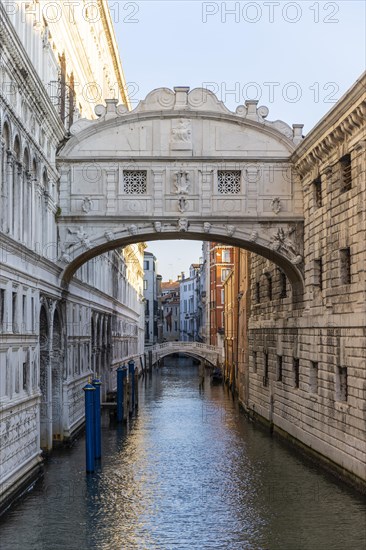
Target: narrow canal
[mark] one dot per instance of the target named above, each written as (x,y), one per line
(190,472)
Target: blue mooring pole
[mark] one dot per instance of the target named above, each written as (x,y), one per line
(121,378)
(131,374)
(97,419)
(89,391)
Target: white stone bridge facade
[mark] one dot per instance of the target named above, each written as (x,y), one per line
(181,166)
(198,350)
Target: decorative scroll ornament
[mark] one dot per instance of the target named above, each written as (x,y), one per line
(230,230)
(183,224)
(182,182)
(207,227)
(158,227)
(282,242)
(87,205)
(276,205)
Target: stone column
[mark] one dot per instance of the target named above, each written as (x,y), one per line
(10,186)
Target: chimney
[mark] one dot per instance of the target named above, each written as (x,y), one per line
(183,276)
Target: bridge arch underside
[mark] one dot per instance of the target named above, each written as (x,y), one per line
(242,239)
(203,357)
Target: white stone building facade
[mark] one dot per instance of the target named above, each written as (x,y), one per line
(53,339)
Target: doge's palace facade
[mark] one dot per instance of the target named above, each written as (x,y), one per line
(55,66)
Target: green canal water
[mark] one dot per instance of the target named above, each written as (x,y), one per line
(189,472)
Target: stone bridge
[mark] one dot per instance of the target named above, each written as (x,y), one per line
(212,354)
(181,166)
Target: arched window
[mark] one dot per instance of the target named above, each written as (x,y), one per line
(4,181)
(16,188)
(26,199)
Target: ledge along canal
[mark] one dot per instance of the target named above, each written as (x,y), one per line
(190,471)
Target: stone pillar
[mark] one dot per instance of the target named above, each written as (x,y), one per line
(10,179)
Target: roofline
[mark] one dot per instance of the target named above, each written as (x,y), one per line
(114,51)
(333,117)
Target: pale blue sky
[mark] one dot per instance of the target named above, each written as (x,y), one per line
(301,57)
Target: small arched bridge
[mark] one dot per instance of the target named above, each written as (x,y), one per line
(211,354)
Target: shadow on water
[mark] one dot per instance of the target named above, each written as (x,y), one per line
(188,472)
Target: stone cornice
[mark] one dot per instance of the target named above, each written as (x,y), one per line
(346,118)
(10,40)
(113,48)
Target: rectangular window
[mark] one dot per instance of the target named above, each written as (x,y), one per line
(279,368)
(317,192)
(255,361)
(146,265)
(2,308)
(296,369)
(341,384)
(283,285)
(318,273)
(226,256)
(225,273)
(32,314)
(145,284)
(346,173)
(257,293)
(147,307)
(313,376)
(135,182)
(25,376)
(14,316)
(265,370)
(269,286)
(175,326)
(24,312)
(222,296)
(345,266)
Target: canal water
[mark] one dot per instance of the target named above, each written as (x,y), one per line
(189,472)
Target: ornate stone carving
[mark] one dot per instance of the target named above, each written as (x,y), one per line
(230,230)
(158,227)
(182,182)
(182,204)
(87,205)
(132,229)
(276,205)
(181,135)
(77,236)
(207,227)
(254,236)
(109,235)
(183,224)
(282,242)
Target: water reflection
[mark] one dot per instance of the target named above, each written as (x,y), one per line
(189,472)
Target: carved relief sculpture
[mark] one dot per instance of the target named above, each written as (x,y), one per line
(182,182)
(183,224)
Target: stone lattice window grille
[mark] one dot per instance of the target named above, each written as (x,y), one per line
(279,368)
(296,370)
(229,182)
(266,369)
(135,182)
(318,273)
(346,173)
(341,384)
(345,266)
(313,376)
(317,190)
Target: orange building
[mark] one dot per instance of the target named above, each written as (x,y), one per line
(221,264)
(236,314)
